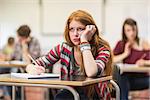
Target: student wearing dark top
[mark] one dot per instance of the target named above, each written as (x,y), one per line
(131,50)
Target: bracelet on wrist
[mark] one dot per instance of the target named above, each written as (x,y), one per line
(81,45)
(85,47)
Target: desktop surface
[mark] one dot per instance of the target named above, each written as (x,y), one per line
(73,81)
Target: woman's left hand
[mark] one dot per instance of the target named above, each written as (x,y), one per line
(87,34)
(140,62)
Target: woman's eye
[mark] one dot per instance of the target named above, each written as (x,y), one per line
(81,29)
(76,29)
(71,29)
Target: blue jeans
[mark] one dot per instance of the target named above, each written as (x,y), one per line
(130,81)
(5,90)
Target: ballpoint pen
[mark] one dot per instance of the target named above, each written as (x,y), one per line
(33,60)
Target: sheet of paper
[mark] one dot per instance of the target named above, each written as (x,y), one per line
(126,65)
(30,76)
(17,62)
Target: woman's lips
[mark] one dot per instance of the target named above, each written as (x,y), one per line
(76,40)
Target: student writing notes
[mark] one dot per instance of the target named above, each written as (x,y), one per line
(131,51)
(83,53)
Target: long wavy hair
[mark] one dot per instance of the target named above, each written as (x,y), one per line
(96,41)
(133,24)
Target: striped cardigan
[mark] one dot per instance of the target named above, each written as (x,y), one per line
(65,54)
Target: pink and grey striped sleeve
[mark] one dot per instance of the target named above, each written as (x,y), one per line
(102,59)
(50,58)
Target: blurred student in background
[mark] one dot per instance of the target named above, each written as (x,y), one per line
(9,48)
(25,45)
(84,53)
(6,53)
(131,50)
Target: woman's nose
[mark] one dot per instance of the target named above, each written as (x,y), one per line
(76,33)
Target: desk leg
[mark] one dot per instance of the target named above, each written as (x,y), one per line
(117,89)
(13,92)
(73,91)
(22,93)
(22,88)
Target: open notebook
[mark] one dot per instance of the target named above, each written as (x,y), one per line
(30,76)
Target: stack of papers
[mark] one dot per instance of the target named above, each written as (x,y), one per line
(17,62)
(126,65)
(30,76)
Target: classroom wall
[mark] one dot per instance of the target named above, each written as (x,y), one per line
(14,13)
(44,20)
(45,17)
(118,10)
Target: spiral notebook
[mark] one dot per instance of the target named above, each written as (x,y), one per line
(30,76)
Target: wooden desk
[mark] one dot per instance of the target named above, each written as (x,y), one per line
(6,79)
(14,64)
(11,64)
(132,68)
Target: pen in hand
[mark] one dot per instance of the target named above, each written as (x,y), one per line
(40,69)
(33,60)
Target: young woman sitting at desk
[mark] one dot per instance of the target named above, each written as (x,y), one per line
(83,53)
(131,50)
(6,52)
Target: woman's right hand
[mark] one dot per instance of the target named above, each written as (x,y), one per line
(127,49)
(34,69)
(87,34)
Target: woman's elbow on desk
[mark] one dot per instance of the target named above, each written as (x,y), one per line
(91,73)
